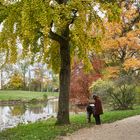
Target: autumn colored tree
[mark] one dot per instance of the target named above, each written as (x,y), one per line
(121,44)
(16,81)
(82,80)
(121,49)
(57,30)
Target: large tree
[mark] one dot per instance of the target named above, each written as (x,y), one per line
(55,31)
(121,43)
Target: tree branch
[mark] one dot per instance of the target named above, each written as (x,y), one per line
(65,32)
(61,1)
(55,36)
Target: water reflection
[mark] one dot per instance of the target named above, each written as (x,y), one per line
(17,110)
(10,116)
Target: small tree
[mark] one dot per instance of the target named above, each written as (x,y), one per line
(35,85)
(81,80)
(16,82)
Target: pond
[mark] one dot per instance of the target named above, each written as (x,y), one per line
(12,115)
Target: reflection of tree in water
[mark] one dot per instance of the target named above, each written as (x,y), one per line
(24,113)
(53,104)
(36,108)
(56,106)
(18,110)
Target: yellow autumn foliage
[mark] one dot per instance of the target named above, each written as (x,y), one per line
(132,63)
(111,72)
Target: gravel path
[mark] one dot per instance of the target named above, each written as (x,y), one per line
(126,129)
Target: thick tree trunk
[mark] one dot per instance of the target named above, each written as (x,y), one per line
(63,112)
(65,70)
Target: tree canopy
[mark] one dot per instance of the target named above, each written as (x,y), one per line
(33,22)
(121,43)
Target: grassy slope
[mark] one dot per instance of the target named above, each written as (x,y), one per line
(23,95)
(46,130)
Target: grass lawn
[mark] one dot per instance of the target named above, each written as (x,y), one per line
(23,95)
(47,130)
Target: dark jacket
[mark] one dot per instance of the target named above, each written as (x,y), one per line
(90,109)
(98,107)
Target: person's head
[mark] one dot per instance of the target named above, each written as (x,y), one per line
(95,96)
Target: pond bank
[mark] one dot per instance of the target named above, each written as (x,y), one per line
(20,101)
(47,130)
(11,97)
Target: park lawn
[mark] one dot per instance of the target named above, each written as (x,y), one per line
(23,95)
(47,130)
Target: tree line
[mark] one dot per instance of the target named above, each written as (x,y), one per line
(23,76)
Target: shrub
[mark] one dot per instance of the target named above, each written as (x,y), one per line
(119,93)
(45,96)
(102,88)
(33,101)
